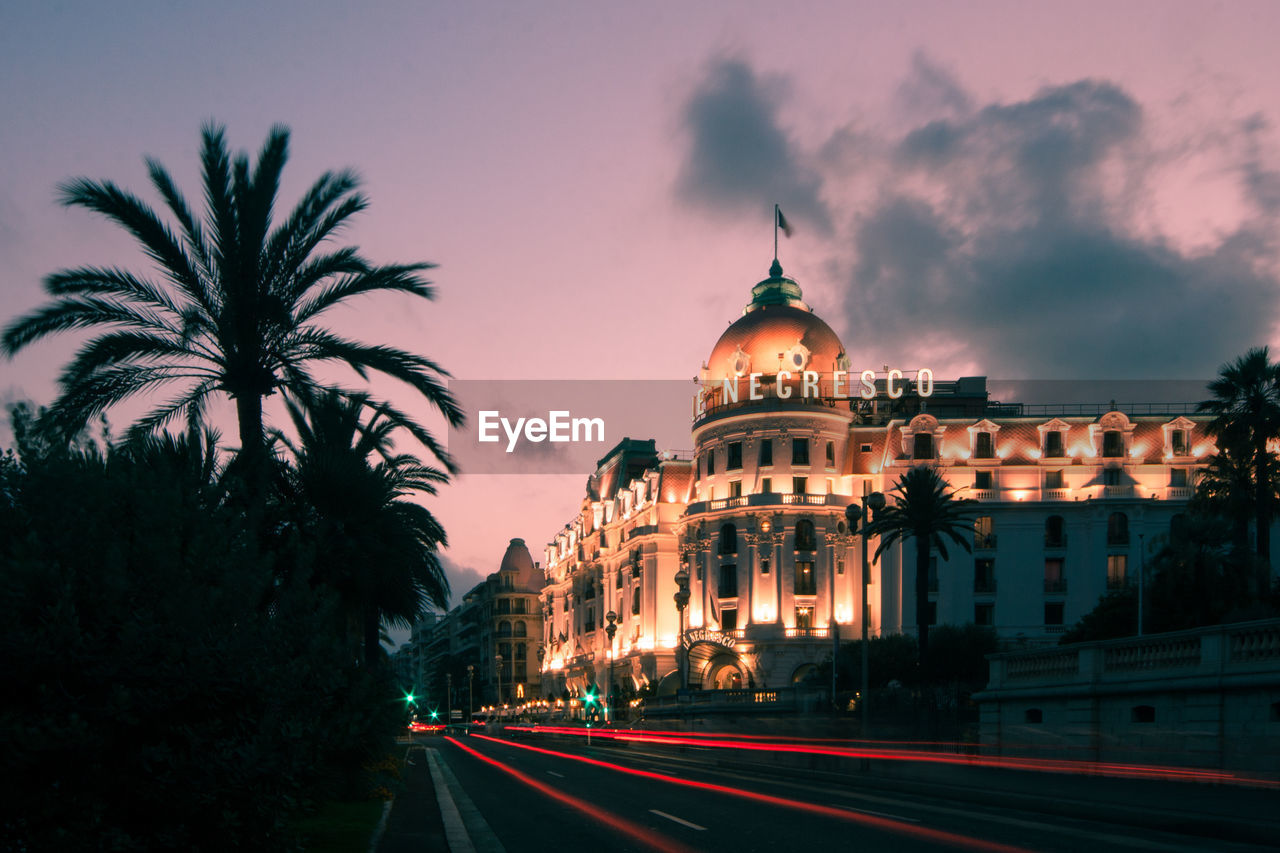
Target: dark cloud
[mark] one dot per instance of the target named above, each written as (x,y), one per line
(1021,238)
(740,159)
(462,579)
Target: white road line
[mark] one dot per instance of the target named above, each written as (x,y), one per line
(679,820)
(880,814)
(555,774)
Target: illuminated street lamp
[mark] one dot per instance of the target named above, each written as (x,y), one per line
(682,600)
(609,631)
(873,502)
(498,660)
(471,674)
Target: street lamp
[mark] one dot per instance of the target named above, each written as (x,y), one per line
(498,660)
(609,631)
(542,653)
(448,700)
(682,600)
(873,502)
(471,674)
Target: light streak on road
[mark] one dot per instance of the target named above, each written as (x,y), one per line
(1044,765)
(935,836)
(642,834)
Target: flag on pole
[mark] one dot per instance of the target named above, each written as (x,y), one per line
(782,222)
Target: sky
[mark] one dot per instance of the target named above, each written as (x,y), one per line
(1018,190)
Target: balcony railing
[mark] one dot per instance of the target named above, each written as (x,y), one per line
(808,632)
(1055,586)
(1117,583)
(1055,494)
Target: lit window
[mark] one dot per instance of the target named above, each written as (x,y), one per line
(806,583)
(1054,582)
(984,532)
(1117,571)
(804,617)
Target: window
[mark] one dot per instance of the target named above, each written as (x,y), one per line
(865,448)
(522,671)
(766,452)
(983,446)
(728,581)
(728,619)
(519,606)
(984,532)
(733,459)
(799,485)
(1118,529)
(764,565)
(1053,612)
(1054,480)
(805,538)
(922,446)
(839,566)
(504,629)
(1055,532)
(766,485)
(804,617)
(1110,476)
(1054,581)
(711,462)
(728,539)
(735,488)
(1053,444)
(635,601)
(566,603)
(1034,715)
(984,577)
(800,451)
(806,583)
(520,651)
(521,629)
(984,614)
(1143,714)
(983,480)
(504,605)
(1178,442)
(1117,569)
(590,624)
(504,649)
(1112,443)
(831,454)
(1178,477)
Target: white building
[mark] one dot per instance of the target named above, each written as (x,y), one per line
(786,436)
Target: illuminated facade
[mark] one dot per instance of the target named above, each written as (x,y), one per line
(786,436)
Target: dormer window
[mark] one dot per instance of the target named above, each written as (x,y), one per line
(1178,442)
(1053,448)
(1112,443)
(983,446)
(922,446)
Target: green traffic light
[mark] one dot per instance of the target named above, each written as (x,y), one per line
(409,698)
(435,715)
(589,697)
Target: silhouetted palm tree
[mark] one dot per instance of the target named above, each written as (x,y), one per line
(1246,409)
(234,306)
(925,511)
(352,499)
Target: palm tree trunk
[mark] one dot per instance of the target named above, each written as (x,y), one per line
(922,598)
(1262,504)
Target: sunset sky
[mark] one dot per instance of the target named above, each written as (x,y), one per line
(1013,189)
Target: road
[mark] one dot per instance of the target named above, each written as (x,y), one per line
(539,794)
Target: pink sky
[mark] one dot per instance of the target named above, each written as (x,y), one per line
(1011,189)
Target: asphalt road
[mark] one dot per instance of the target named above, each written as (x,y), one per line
(540,794)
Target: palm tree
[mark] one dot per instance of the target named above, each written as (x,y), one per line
(234,304)
(925,511)
(1246,409)
(351,498)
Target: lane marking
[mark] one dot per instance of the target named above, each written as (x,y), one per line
(555,774)
(880,814)
(679,820)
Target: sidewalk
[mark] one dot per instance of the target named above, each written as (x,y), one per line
(414,823)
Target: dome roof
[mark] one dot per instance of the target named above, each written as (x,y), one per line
(777,331)
(517,559)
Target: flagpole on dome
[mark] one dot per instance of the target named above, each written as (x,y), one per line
(779,221)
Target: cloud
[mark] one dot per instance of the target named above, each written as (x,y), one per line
(739,157)
(1030,237)
(462,579)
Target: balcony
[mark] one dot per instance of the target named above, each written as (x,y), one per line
(766,499)
(1055,586)
(819,633)
(1055,494)
(984,494)
(1118,492)
(1178,493)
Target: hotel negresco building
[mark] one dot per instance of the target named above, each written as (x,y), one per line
(743,553)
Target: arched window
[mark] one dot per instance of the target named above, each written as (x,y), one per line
(922,446)
(521,629)
(1118,529)
(1055,532)
(520,651)
(728,539)
(805,539)
(504,629)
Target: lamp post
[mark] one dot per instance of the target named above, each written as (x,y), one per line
(873,502)
(1142,570)
(498,660)
(609,631)
(542,653)
(682,600)
(471,674)
(448,700)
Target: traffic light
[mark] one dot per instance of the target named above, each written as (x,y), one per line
(409,699)
(589,698)
(435,715)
